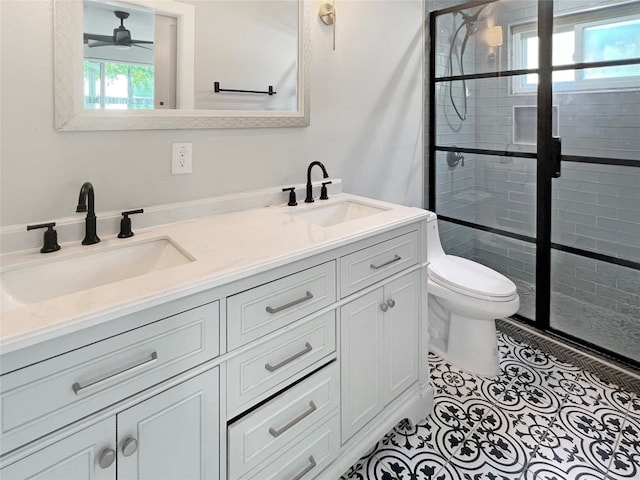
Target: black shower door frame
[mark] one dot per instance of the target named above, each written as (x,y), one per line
(548,149)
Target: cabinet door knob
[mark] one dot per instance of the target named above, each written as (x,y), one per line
(391,303)
(107,457)
(384,307)
(129,446)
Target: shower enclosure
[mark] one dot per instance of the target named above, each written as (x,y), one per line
(534,156)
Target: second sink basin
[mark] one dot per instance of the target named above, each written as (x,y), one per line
(39,281)
(335,213)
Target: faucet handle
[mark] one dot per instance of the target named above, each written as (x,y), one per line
(50,237)
(125,223)
(292,196)
(323,190)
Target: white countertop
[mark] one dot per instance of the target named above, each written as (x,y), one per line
(225,247)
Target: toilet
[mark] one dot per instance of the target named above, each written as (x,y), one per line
(464,299)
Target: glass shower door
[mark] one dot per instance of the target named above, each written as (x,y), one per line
(595,249)
(560,218)
(482,165)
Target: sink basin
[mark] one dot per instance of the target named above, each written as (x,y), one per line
(335,213)
(50,278)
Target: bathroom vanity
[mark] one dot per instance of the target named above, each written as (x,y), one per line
(269,343)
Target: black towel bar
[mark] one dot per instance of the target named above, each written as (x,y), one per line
(217,89)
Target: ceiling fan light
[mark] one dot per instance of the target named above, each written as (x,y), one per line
(121,36)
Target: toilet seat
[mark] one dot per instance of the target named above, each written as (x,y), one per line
(471,278)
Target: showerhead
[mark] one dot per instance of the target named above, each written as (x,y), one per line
(470,21)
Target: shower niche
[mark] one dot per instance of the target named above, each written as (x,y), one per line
(525,119)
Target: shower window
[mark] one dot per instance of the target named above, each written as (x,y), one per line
(611,35)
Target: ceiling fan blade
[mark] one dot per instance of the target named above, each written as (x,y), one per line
(97,43)
(145,42)
(140,46)
(98,38)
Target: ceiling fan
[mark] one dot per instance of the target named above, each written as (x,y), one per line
(121,36)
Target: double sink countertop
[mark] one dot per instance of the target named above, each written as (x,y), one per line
(207,252)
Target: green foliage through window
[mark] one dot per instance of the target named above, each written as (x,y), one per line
(112,85)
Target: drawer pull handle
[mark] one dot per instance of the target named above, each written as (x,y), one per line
(312,464)
(273,368)
(78,389)
(276,433)
(308,296)
(393,260)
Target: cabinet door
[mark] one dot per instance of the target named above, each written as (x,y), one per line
(76,457)
(401,322)
(361,347)
(172,435)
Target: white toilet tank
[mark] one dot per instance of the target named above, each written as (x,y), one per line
(434,247)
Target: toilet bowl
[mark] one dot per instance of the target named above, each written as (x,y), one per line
(464,299)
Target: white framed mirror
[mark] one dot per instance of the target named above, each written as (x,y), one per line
(197,104)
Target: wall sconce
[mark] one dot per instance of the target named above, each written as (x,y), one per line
(327,16)
(493,38)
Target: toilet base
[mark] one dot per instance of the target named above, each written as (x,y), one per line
(471,345)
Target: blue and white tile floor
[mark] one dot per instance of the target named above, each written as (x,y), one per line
(540,419)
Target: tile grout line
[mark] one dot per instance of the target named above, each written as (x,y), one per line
(619,437)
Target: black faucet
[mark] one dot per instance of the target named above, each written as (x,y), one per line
(90,236)
(309,198)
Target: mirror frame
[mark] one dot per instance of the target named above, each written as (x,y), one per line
(70,114)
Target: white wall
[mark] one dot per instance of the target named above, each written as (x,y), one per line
(246,45)
(366,124)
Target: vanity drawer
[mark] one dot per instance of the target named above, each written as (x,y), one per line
(256,437)
(269,364)
(263,309)
(372,264)
(48,395)
(306,458)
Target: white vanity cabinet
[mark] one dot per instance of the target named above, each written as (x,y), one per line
(378,349)
(171,435)
(74,457)
(287,367)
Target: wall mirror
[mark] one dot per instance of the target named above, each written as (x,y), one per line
(200,53)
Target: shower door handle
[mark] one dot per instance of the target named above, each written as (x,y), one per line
(556,155)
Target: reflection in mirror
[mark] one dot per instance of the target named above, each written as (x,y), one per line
(120,57)
(152,64)
(246,45)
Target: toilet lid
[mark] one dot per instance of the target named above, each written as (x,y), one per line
(463,275)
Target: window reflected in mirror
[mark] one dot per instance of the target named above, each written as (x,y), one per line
(129,57)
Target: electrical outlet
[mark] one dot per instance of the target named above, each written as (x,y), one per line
(181,158)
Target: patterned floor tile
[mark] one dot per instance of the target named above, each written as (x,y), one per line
(542,470)
(590,391)
(582,435)
(454,420)
(491,450)
(539,419)
(625,463)
(531,390)
(634,408)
